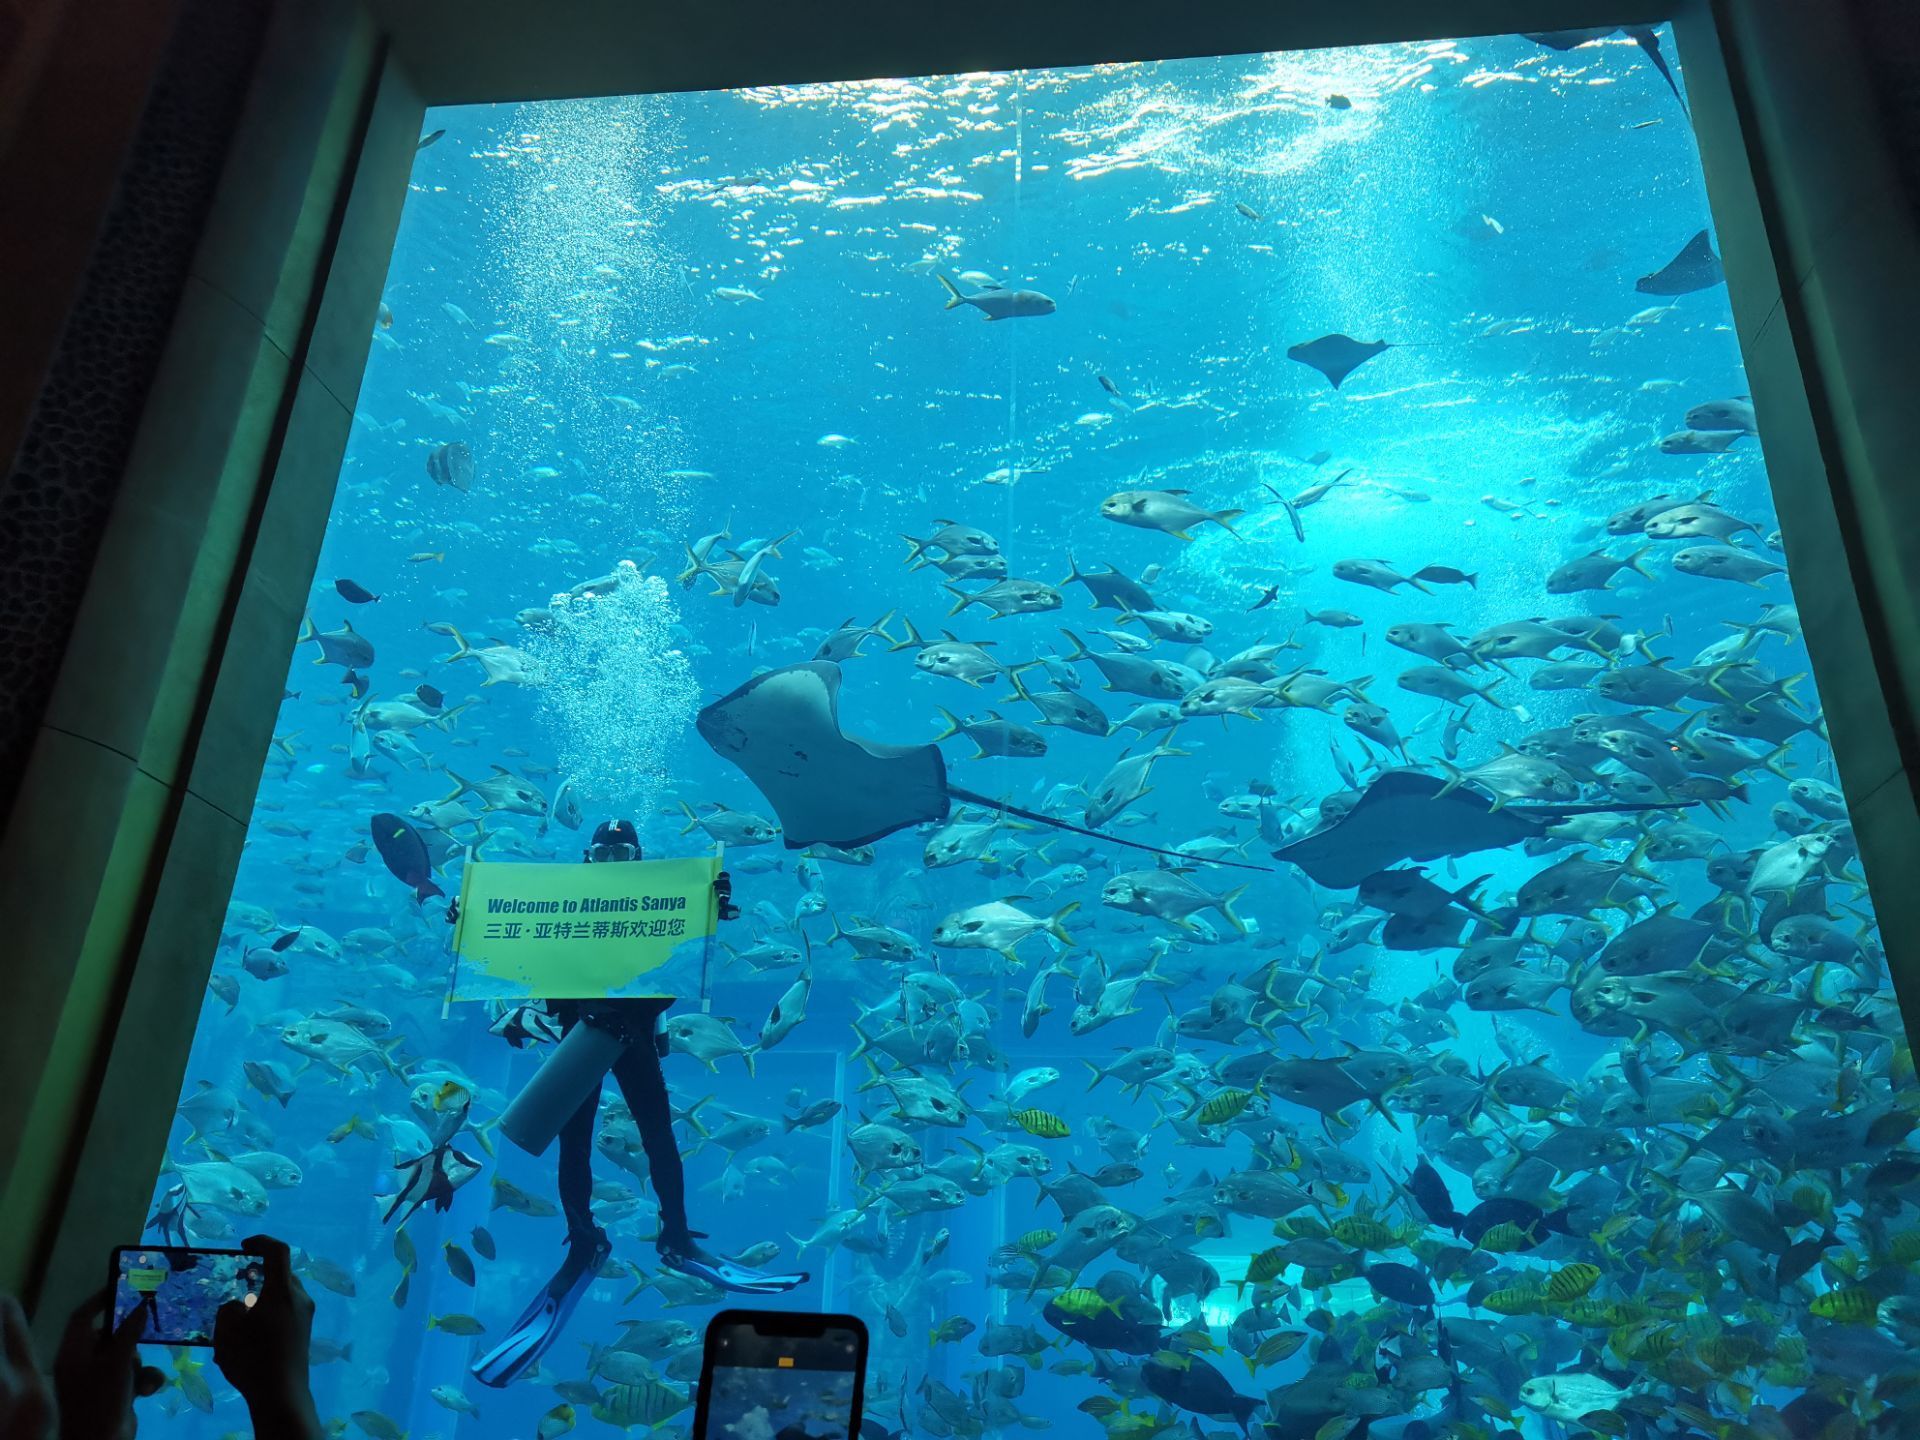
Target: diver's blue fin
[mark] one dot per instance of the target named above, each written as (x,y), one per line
(540,1324)
(740,1279)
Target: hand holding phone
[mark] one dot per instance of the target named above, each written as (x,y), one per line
(776,1375)
(178,1290)
(261,1347)
(97,1375)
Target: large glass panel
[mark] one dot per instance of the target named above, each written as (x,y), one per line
(1342,453)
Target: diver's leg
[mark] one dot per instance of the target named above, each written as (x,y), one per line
(645,1085)
(540,1324)
(576,1167)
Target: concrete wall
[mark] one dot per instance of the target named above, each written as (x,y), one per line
(123,837)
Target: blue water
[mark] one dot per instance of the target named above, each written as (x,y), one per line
(652,320)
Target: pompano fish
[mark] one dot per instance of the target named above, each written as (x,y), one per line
(1376,574)
(1125,783)
(999,926)
(997,302)
(707,1038)
(1137,675)
(1008,597)
(1173,625)
(995,736)
(1111,590)
(1168,511)
(1168,895)
(1724,562)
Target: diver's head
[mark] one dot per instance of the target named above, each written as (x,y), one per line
(613,840)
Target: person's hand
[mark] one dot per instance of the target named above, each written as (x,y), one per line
(26,1401)
(262,1348)
(98,1372)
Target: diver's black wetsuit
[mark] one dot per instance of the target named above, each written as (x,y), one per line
(635,1025)
(644,1085)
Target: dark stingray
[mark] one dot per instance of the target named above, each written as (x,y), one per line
(1336,356)
(1695,268)
(828,787)
(1404,815)
(1645,36)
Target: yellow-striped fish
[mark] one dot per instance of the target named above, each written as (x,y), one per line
(1570,1282)
(1855,1305)
(1043,1123)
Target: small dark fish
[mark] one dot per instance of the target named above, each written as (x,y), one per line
(997,304)
(1339,102)
(429,696)
(287,939)
(459,1263)
(1272,590)
(483,1245)
(1801,1256)
(818,1113)
(1108,386)
(355,593)
(405,854)
(1247,210)
(264,965)
(1446,575)
(1392,1281)
(428,139)
(1429,1192)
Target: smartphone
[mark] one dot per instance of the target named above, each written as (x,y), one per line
(775,1375)
(182,1289)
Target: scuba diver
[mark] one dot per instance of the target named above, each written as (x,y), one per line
(595,1036)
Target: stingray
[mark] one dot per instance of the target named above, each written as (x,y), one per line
(1645,36)
(830,788)
(1336,356)
(1694,268)
(1410,815)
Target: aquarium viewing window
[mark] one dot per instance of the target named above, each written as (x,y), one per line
(1379,940)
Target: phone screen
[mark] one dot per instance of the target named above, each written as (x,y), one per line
(774,1376)
(181,1289)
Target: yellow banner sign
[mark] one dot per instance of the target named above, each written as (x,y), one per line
(578,932)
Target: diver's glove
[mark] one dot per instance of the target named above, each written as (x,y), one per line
(723,893)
